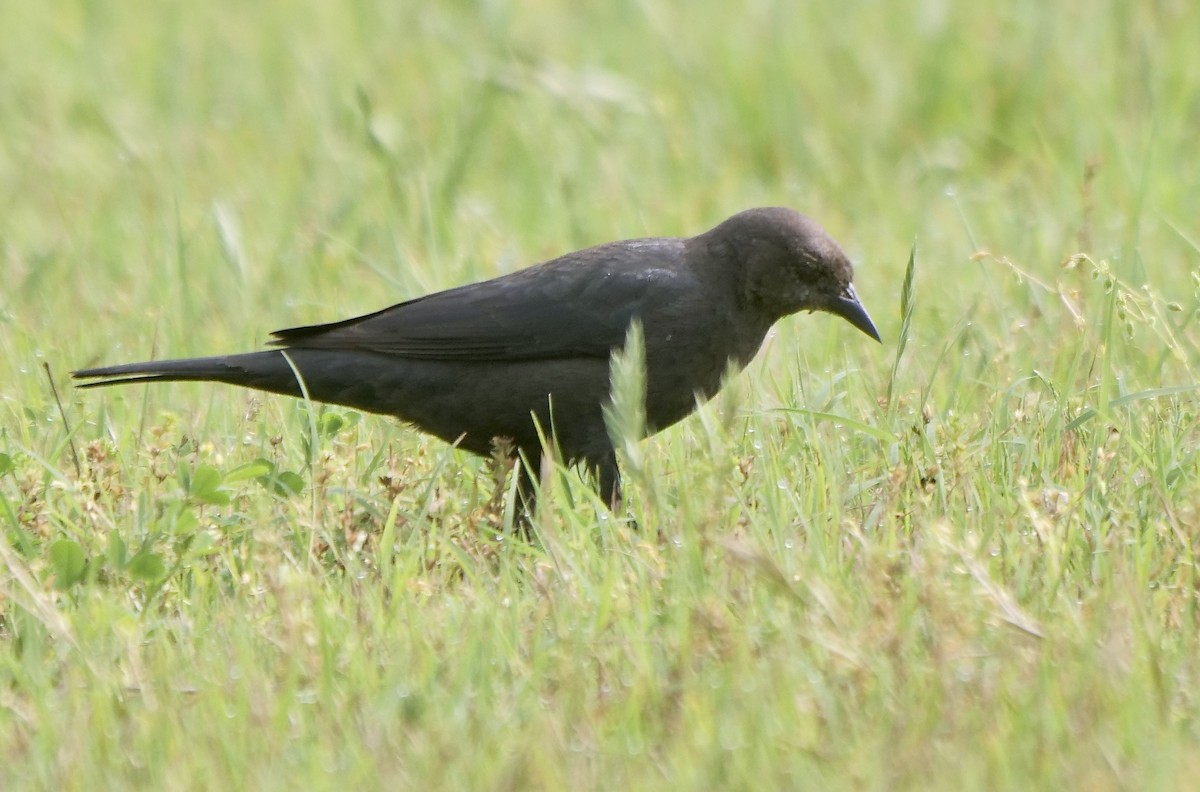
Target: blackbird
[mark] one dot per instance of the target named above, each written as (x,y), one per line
(500,358)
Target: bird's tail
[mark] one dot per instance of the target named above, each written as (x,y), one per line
(267,370)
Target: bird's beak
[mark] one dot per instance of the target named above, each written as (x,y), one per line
(849,308)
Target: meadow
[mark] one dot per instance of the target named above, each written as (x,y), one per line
(964,559)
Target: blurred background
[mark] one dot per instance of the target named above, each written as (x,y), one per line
(201,174)
(963,559)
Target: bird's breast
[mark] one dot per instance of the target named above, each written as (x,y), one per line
(686,364)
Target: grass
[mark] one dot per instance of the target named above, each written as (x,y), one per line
(966,559)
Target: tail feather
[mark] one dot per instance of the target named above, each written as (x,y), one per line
(262,370)
(362,381)
(121,380)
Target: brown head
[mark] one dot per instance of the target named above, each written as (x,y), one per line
(787,263)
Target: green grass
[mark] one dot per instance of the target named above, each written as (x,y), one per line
(970,565)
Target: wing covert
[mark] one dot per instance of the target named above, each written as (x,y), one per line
(579,305)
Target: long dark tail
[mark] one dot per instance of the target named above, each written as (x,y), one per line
(268,371)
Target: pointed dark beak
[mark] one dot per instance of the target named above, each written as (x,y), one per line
(849,308)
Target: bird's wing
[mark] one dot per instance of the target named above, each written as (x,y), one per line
(577,306)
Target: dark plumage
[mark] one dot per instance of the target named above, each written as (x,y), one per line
(473,363)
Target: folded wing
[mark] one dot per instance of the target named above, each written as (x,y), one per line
(576,306)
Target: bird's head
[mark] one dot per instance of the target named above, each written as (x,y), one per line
(787,263)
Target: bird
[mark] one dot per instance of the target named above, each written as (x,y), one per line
(524,358)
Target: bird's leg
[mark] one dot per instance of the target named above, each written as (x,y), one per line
(608,479)
(508,461)
(527,469)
